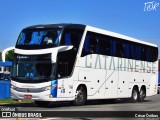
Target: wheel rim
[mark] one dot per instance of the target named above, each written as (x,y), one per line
(80,96)
(135,95)
(142,94)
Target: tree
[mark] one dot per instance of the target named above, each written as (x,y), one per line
(9,56)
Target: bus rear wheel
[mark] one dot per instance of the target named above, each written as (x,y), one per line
(42,103)
(135,95)
(81,96)
(142,95)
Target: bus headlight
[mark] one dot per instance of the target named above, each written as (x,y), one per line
(13,87)
(47,87)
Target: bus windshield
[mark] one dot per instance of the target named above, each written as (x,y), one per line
(38,38)
(35,67)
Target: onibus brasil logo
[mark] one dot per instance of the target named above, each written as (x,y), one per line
(151,6)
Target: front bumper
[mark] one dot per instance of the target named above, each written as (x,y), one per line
(41,96)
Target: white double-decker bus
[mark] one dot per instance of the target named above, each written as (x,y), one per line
(73,62)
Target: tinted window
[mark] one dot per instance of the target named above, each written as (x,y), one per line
(120,48)
(104,45)
(32,68)
(90,44)
(66,59)
(132,51)
(153,54)
(138,52)
(71,37)
(114,49)
(144,55)
(38,38)
(148,54)
(127,50)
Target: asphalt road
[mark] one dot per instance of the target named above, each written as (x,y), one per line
(150,104)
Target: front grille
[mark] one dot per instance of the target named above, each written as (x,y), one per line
(30,90)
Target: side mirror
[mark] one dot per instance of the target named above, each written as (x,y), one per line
(4,53)
(59,49)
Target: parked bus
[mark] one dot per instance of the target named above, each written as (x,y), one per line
(73,62)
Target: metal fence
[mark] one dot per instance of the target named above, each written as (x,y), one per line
(4,89)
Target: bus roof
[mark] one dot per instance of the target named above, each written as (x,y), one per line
(62,25)
(92,29)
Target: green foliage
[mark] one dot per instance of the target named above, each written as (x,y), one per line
(9,56)
(10,101)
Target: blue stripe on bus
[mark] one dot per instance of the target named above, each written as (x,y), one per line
(54,88)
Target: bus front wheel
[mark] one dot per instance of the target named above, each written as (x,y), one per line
(80,97)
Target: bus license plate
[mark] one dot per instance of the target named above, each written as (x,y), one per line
(27,96)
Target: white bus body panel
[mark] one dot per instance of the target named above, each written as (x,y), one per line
(116,79)
(64,91)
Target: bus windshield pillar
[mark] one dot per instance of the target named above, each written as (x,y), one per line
(59,49)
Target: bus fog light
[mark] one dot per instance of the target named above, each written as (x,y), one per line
(50,96)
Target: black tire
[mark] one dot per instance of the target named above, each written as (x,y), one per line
(135,95)
(42,103)
(142,95)
(81,96)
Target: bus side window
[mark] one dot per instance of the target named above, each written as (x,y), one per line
(114,48)
(90,44)
(138,52)
(132,51)
(117,48)
(93,47)
(153,54)
(127,50)
(75,40)
(148,54)
(143,53)
(71,37)
(67,39)
(120,49)
(104,45)
(85,50)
